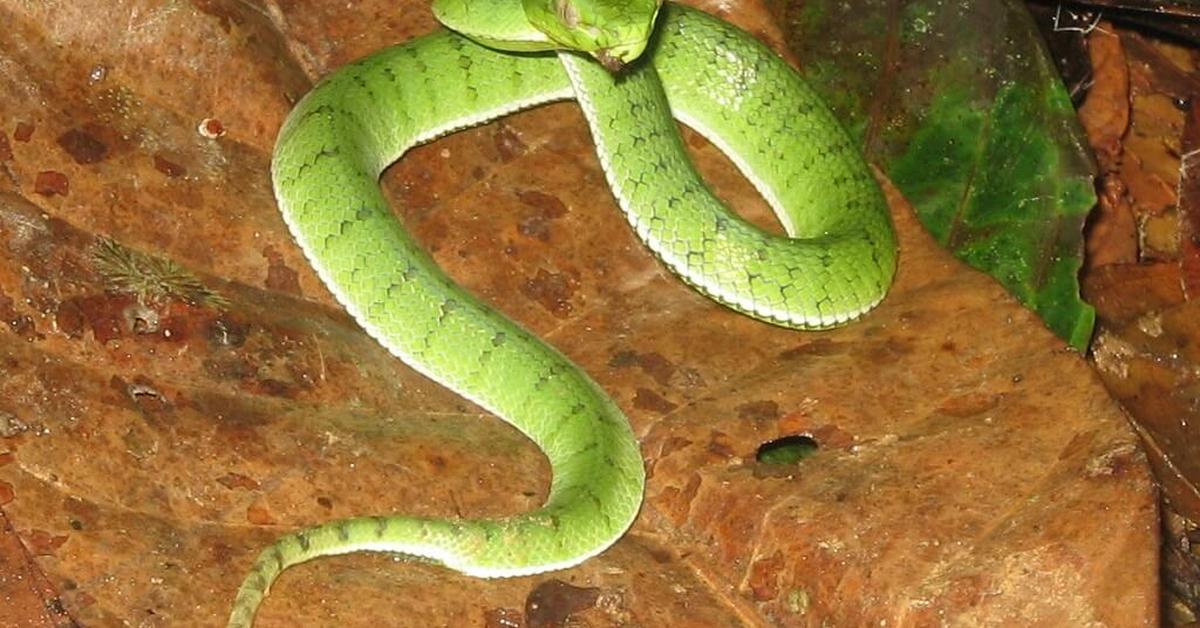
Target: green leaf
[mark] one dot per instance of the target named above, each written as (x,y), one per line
(960,105)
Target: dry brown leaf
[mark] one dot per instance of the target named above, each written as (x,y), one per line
(1146,331)
(1189,205)
(1104,114)
(30,599)
(970,470)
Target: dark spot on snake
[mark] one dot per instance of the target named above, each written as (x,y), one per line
(499,339)
(589,447)
(303,541)
(600,508)
(343,532)
(325,153)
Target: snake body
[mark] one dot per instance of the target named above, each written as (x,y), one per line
(836,263)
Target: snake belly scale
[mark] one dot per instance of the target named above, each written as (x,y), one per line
(835,264)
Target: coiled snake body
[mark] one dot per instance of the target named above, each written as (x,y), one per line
(836,263)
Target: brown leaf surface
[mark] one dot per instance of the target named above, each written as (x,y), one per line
(971,469)
(1143,271)
(1105,117)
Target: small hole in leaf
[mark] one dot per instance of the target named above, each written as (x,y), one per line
(786,450)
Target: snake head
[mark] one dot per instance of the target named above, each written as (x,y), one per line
(614,32)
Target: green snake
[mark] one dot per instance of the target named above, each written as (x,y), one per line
(836,262)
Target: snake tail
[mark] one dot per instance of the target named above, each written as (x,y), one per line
(836,262)
(327,162)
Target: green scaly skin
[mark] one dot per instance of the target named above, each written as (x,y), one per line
(837,264)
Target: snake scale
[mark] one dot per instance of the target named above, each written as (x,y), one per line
(835,263)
